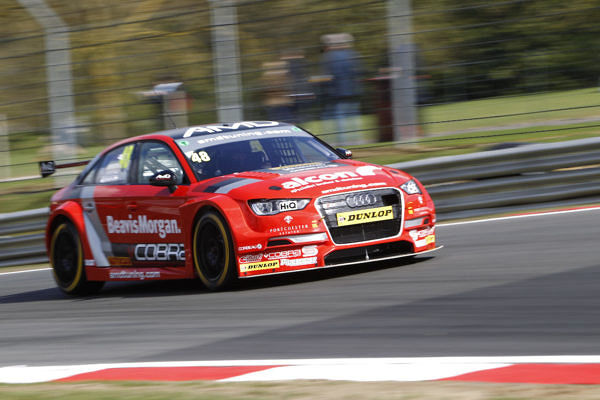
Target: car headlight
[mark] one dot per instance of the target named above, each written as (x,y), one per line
(411,187)
(276,206)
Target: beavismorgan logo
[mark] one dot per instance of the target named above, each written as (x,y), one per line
(364,216)
(142,225)
(256,266)
(367,170)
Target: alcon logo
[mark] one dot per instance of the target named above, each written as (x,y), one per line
(367,170)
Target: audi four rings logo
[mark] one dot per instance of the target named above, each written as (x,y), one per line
(361,200)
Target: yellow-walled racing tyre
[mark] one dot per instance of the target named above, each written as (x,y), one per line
(213,253)
(66,258)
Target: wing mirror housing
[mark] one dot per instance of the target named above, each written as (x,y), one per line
(345,153)
(164,178)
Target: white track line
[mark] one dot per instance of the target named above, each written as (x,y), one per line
(477,221)
(528,215)
(27,270)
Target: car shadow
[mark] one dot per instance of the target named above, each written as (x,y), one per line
(132,289)
(322,274)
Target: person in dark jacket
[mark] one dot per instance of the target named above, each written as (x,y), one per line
(341,65)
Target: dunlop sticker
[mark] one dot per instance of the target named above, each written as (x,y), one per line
(364,216)
(256,266)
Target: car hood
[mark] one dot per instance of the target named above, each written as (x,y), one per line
(305,180)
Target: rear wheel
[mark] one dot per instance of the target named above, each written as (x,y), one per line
(212,249)
(66,258)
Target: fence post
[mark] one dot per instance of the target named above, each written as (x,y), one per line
(4,148)
(58,76)
(226,60)
(401,52)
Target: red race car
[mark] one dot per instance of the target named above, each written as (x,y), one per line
(229,201)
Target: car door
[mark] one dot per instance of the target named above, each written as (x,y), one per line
(159,240)
(107,221)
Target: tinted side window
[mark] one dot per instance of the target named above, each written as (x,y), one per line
(114,166)
(155,157)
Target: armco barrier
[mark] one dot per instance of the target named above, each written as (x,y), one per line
(22,237)
(461,186)
(501,180)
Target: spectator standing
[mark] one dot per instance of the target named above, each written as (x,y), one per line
(301,91)
(342,89)
(277,89)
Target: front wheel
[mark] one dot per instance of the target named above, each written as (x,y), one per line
(66,258)
(212,249)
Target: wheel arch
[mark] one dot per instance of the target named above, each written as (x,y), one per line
(71,212)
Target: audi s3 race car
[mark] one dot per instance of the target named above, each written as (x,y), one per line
(223,202)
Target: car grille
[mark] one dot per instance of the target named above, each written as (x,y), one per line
(378,199)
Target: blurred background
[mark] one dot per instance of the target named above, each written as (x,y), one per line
(392,80)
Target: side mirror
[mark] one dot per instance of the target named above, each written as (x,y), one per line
(164,178)
(344,152)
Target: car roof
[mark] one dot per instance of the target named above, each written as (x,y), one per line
(199,130)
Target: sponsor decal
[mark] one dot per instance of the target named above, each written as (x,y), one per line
(257,266)
(297,262)
(288,229)
(303,167)
(232,127)
(250,258)
(135,274)
(159,252)
(416,234)
(328,178)
(365,216)
(164,177)
(275,259)
(282,254)
(119,261)
(288,205)
(424,242)
(288,219)
(352,187)
(89,263)
(309,251)
(251,247)
(315,224)
(142,225)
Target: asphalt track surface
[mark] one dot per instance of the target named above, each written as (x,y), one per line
(523,286)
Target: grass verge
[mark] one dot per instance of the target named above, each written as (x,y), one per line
(296,390)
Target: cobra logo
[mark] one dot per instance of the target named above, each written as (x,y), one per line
(361,200)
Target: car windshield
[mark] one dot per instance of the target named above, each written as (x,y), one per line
(210,158)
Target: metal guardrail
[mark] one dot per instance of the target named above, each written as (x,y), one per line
(22,237)
(469,185)
(500,181)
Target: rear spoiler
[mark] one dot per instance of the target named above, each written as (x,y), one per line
(47,168)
